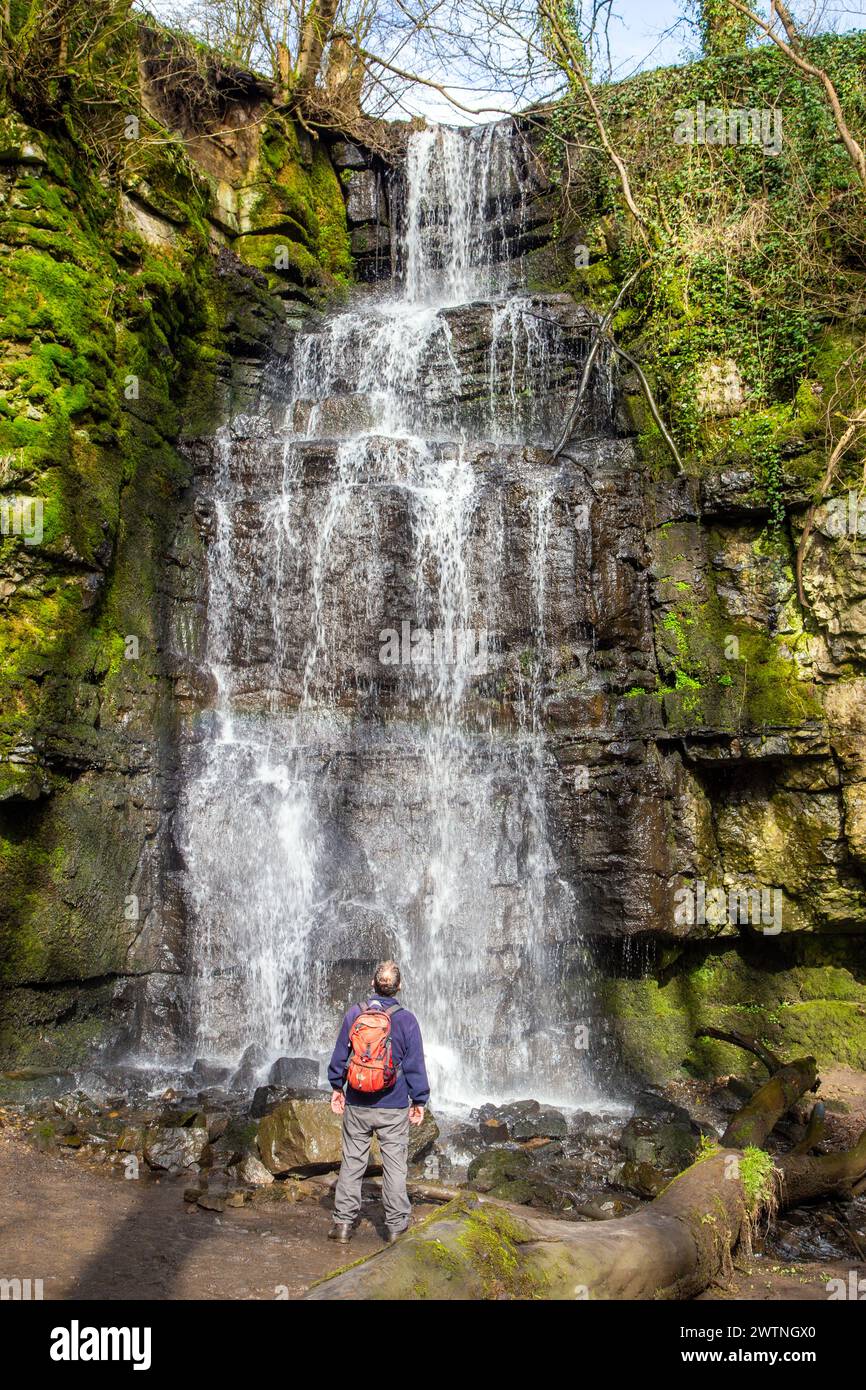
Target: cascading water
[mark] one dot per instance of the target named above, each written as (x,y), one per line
(382,619)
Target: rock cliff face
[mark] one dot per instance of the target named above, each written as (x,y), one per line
(139,305)
(720,842)
(705,731)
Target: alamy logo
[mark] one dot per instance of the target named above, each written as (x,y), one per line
(732,125)
(845,516)
(21,1290)
(418,646)
(855,1289)
(702,906)
(77,1343)
(22,516)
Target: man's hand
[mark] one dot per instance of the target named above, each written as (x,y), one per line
(338,1102)
(416,1114)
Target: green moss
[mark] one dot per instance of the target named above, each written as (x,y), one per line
(297,220)
(111,351)
(491,1241)
(799,995)
(761,687)
(758,1176)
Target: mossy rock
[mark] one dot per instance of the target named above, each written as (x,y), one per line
(800,996)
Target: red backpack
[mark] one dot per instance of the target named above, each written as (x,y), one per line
(371,1066)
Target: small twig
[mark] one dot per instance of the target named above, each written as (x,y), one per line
(650,402)
(748,1044)
(601,331)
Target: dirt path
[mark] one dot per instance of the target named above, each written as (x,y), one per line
(91,1235)
(766,1280)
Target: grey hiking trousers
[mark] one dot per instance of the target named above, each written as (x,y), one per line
(391,1127)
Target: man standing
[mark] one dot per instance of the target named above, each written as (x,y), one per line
(379,1058)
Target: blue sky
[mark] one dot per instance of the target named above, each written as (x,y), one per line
(654,33)
(636,34)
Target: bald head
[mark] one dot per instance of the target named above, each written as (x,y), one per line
(386,980)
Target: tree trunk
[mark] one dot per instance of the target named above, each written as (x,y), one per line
(284,72)
(759,1116)
(480,1248)
(317,29)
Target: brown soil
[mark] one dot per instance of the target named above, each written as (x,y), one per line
(767,1280)
(94,1235)
(91,1234)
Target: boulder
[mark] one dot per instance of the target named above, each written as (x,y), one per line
(465,1142)
(130,1140)
(346,155)
(297,1073)
(517,1110)
(217,1124)
(182,1117)
(266,1097)
(303,1135)
(490,1170)
(179,1148)
(493,1130)
(209,1073)
(251,1063)
(300,1136)
(422,1137)
(252,1171)
(641,1178)
(235,1143)
(364,199)
(507,1175)
(544,1123)
(668,1145)
(483,1112)
(520,1120)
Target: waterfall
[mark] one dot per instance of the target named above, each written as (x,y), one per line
(391,582)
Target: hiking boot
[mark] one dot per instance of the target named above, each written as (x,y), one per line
(341,1231)
(392,1236)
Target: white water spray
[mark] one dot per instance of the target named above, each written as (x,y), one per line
(342,809)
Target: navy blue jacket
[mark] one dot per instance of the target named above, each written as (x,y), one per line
(407,1051)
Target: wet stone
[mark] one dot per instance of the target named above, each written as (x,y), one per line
(493,1130)
(266,1098)
(207,1074)
(167,1148)
(669,1145)
(297,1073)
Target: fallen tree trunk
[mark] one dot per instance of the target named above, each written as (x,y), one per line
(759,1116)
(478,1248)
(805,1177)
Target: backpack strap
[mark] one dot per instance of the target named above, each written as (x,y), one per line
(377,1004)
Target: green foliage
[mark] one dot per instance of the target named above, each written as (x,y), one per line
(724,30)
(758,1176)
(749,255)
